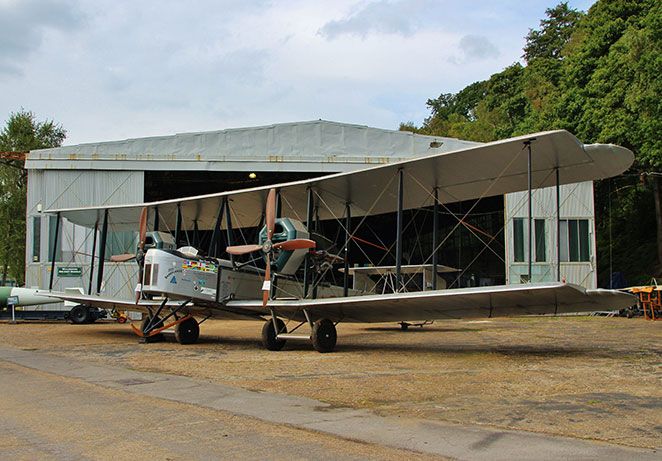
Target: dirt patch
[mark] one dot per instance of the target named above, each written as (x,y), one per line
(586,377)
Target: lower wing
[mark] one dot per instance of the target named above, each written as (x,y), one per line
(485,302)
(480,302)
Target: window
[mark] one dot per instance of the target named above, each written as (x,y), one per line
(574,241)
(518,239)
(541,250)
(52,223)
(36,238)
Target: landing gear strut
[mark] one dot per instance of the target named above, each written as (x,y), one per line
(148,325)
(323,334)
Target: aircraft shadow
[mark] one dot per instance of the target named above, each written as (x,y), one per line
(465,349)
(423,329)
(346,345)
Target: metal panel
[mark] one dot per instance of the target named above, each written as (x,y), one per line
(120,281)
(577,202)
(74,188)
(78,188)
(302,146)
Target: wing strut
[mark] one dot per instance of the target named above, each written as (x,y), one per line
(102,249)
(228,228)
(178,225)
(398,241)
(54,253)
(94,250)
(435,236)
(529,186)
(215,242)
(309,221)
(348,242)
(558,227)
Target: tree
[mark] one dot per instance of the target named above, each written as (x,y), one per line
(611,95)
(555,32)
(21,133)
(596,74)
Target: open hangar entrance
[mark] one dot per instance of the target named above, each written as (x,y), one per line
(473,244)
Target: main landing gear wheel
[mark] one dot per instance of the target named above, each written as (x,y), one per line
(324,335)
(155,338)
(188,331)
(269,333)
(80,315)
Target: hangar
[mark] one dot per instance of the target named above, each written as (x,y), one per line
(489,247)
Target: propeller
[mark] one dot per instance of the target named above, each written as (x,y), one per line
(268,246)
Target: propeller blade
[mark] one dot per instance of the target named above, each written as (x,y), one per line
(143,227)
(242,249)
(266,285)
(270,213)
(294,244)
(122,258)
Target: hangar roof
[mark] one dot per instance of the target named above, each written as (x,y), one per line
(316,146)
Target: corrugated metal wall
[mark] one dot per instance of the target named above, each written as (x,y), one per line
(75,188)
(576,203)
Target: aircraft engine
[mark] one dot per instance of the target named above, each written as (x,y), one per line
(287,262)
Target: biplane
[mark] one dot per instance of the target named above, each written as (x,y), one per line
(279,277)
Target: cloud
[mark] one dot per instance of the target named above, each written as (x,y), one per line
(115,69)
(23,24)
(402,17)
(476,47)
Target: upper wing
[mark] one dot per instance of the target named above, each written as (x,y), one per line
(484,170)
(498,301)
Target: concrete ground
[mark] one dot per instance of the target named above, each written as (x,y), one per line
(49,417)
(584,378)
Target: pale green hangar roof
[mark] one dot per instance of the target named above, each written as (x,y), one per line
(318,145)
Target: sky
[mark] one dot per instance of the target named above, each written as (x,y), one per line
(116,69)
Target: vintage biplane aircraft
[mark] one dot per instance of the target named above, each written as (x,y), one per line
(177,286)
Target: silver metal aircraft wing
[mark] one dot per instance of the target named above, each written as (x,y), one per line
(484,170)
(480,302)
(147,306)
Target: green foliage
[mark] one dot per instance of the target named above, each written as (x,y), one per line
(21,133)
(555,31)
(630,221)
(596,74)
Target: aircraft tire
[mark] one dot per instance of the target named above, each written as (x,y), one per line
(155,338)
(187,332)
(324,336)
(269,340)
(79,315)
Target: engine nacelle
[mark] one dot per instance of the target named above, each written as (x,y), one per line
(287,262)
